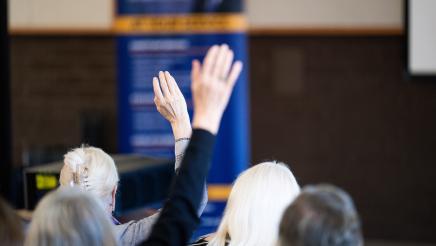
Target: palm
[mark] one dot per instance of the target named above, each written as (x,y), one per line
(212,84)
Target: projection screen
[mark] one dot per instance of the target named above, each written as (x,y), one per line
(421,37)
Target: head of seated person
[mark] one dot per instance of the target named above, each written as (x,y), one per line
(91,169)
(255,205)
(11,230)
(68,216)
(321,215)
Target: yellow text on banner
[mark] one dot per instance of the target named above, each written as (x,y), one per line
(193,23)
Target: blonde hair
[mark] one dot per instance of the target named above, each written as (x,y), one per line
(90,169)
(68,216)
(256,204)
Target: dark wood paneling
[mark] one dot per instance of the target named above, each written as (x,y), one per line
(355,122)
(55,81)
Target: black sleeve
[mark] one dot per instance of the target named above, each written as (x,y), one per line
(178,218)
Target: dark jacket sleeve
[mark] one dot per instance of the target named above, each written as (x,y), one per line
(179,218)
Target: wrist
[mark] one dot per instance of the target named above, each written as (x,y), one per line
(210,124)
(181,129)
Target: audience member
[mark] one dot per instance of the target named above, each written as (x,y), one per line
(68,216)
(91,169)
(321,215)
(11,230)
(212,85)
(255,206)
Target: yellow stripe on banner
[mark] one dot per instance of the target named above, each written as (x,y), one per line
(193,23)
(218,192)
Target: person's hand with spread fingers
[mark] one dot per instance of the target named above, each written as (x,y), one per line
(212,85)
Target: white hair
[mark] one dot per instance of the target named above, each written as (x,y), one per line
(68,216)
(91,169)
(255,206)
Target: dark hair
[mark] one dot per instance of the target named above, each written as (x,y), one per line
(321,215)
(11,231)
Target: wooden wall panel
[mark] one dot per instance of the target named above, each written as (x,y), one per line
(55,81)
(356,123)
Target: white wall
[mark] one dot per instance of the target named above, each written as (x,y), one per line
(261,13)
(57,14)
(325,13)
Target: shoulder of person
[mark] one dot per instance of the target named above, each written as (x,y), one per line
(133,232)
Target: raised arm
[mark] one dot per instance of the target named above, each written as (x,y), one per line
(212,85)
(172,106)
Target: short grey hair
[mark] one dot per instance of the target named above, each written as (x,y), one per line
(68,216)
(321,215)
(91,169)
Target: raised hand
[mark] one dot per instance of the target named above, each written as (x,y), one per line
(171,104)
(212,85)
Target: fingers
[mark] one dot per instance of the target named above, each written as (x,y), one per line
(171,82)
(164,84)
(219,64)
(157,91)
(227,64)
(234,73)
(175,86)
(195,72)
(210,59)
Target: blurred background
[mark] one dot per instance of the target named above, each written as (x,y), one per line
(334,91)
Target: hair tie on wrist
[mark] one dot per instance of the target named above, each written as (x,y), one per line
(182,139)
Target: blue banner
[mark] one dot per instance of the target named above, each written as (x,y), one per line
(164,35)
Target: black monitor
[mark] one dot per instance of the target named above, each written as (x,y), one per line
(143,182)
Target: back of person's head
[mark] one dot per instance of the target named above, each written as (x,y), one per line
(68,216)
(11,230)
(321,215)
(91,169)
(255,205)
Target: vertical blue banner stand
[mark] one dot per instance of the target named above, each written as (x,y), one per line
(154,36)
